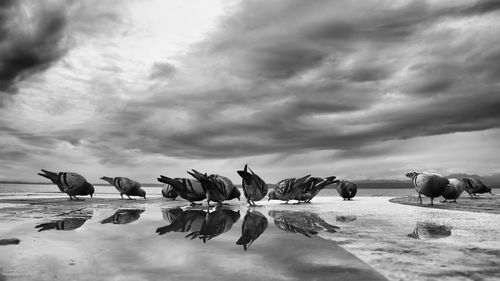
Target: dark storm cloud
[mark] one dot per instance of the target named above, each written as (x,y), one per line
(28,44)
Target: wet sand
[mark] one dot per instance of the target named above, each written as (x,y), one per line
(483,204)
(370,229)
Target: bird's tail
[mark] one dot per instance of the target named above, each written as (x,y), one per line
(167,180)
(246,176)
(108,220)
(50,175)
(245,240)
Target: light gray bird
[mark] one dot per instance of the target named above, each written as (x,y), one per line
(347,189)
(126,186)
(168,191)
(453,190)
(288,189)
(70,183)
(254,188)
(124,216)
(254,224)
(430,230)
(475,186)
(188,189)
(313,186)
(217,188)
(429,184)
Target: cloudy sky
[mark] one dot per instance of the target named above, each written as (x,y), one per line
(357,89)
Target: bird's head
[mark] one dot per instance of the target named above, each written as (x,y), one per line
(411,175)
(142,193)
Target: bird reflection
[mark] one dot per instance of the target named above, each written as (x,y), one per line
(254,224)
(124,216)
(202,224)
(305,223)
(430,230)
(70,221)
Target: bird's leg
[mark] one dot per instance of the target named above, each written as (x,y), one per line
(454,201)
(70,197)
(420,198)
(432,201)
(249,202)
(130,198)
(121,194)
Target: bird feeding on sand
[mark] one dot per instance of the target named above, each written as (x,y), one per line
(70,183)
(429,184)
(313,186)
(254,188)
(475,186)
(346,189)
(288,189)
(217,188)
(188,189)
(126,186)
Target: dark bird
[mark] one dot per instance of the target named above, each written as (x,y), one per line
(182,220)
(428,184)
(124,216)
(70,183)
(217,188)
(430,230)
(216,222)
(346,189)
(254,188)
(288,189)
(453,190)
(126,186)
(254,224)
(168,191)
(475,186)
(305,223)
(188,189)
(313,186)
(70,221)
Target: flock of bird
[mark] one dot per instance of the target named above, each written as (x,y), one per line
(213,188)
(217,188)
(434,185)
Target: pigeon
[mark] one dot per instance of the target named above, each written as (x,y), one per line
(305,223)
(313,186)
(346,189)
(70,183)
(126,186)
(217,188)
(168,191)
(216,222)
(430,230)
(182,220)
(254,188)
(124,216)
(188,189)
(429,184)
(288,189)
(474,186)
(254,224)
(453,190)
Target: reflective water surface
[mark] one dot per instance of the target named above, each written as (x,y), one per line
(179,243)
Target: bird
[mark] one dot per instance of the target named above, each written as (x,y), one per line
(188,189)
(126,186)
(430,230)
(70,183)
(453,190)
(124,216)
(346,189)
(254,188)
(182,220)
(313,186)
(288,189)
(168,191)
(217,188)
(429,184)
(305,223)
(254,224)
(216,222)
(474,186)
